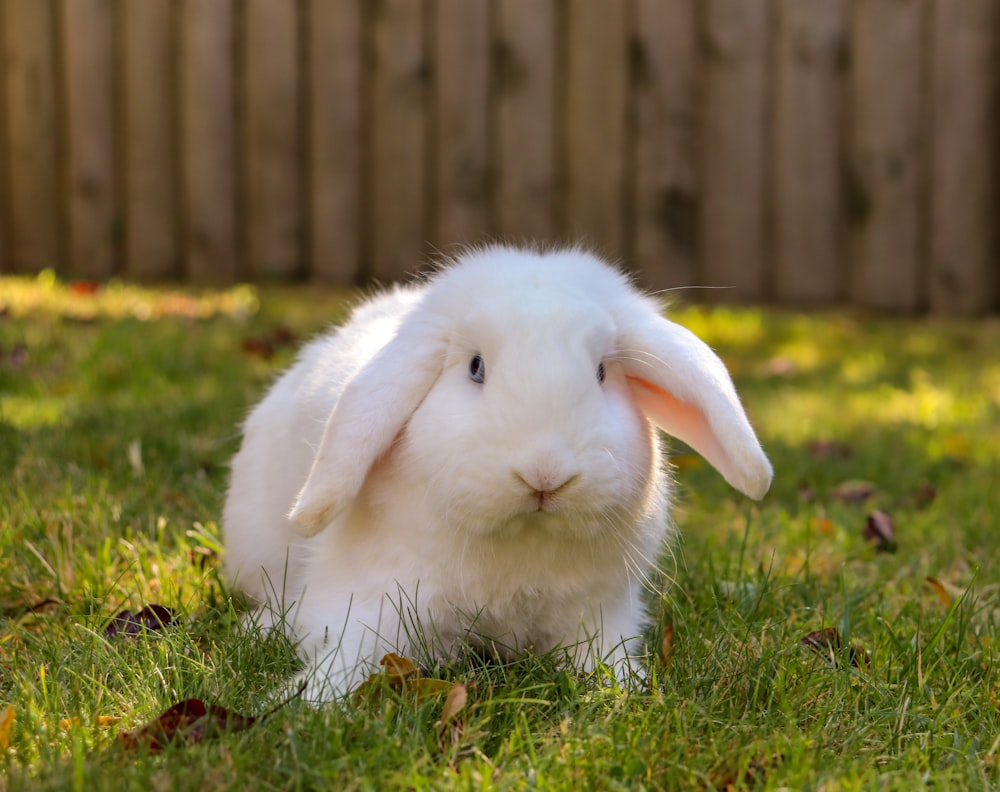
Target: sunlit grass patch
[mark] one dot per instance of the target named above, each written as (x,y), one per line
(120,408)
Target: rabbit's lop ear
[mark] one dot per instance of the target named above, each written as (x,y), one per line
(683,387)
(371,412)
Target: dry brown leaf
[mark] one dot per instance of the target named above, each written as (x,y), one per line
(667,645)
(822,524)
(100,720)
(780,366)
(399,674)
(880,530)
(6,722)
(425,687)
(829,449)
(828,644)
(190,722)
(458,697)
(203,557)
(924,495)
(940,590)
(131,625)
(396,666)
(853,491)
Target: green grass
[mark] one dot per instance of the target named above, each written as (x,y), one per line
(119,411)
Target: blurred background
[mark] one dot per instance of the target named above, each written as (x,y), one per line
(793,152)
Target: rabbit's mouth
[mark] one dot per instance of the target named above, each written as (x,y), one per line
(548,502)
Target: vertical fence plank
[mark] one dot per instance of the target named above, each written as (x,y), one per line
(524,110)
(666,176)
(396,165)
(88,62)
(208,139)
(965,167)
(734,148)
(35,221)
(807,150)
(271,138)
(6,250)
(460,121)
(885,153)
(149,151)
(595,125)
(333,180)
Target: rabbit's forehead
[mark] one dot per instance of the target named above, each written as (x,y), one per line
(539,320)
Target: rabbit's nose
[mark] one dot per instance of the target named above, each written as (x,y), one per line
(549,468)
(545,482)
(545,487)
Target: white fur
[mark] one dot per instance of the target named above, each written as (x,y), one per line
(384,501)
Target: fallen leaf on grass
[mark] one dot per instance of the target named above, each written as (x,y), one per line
(84,288)
(190,722)
(6,721)
(828,644)
(853,491)
(129,624)
(822,524)
(451,727)
(101,720)
(17,611)
(780,366)
(924,494)
(667,645)
(265,346)
(203,557)
(829,449)
(879,529)
(940,590)
(458,697)
(398,674)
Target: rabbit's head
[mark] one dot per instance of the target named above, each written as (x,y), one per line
(526,385)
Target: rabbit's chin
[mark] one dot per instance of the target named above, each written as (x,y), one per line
(557,524)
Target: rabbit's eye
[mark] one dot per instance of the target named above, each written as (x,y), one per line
(600,372)
(477,369)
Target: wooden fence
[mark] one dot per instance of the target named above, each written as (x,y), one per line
(794,151)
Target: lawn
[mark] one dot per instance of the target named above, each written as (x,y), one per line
(797,644)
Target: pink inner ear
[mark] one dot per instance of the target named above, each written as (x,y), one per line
(681,419)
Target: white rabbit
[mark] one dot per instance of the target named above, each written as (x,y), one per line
(474,460)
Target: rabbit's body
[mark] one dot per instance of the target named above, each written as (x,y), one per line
(474,460)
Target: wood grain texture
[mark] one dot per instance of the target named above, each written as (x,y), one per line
(208,140)
(334,87)
(87,41)
(397,138)
(460,122)
(270,131)
(886,148)
(807,151)
(667,188)
(149,150)
(525,117)
(734,151)
(965,162)
(36,227)
(595,132)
